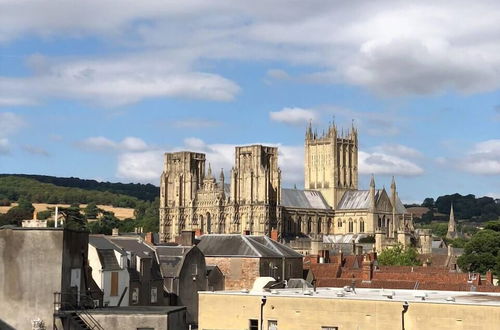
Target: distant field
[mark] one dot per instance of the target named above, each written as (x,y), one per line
(120,212)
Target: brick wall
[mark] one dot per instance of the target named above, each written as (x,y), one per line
(239,273)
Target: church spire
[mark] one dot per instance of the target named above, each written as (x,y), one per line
(209,174)
(452,225)
(221,176)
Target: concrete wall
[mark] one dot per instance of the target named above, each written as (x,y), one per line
(218,311)
(133,321)
(192,278)
(35,263)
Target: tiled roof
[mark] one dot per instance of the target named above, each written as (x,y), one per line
(305,199)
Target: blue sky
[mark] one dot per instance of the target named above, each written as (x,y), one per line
(101,89)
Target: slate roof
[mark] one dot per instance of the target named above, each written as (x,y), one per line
(227,189)
(108,259)
(102,243)
(305,199)
(171,259)
(133,244)
(234,245)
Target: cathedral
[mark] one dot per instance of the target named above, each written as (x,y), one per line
(252,201)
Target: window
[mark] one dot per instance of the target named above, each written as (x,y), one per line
(154,295)
(272,325)
(253,324)
(362,226)
(351,226)
(114,284)
(135,295)
(339,223)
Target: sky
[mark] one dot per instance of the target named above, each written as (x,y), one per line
(101,89)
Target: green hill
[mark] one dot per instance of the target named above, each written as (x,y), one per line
(147,192)
(14,188)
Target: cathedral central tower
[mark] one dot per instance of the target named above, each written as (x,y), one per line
(331,162)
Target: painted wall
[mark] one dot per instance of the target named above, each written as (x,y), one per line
(132,321)
(35,263)
(222,311)
(103,279)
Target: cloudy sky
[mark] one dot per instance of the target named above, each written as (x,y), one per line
(100,89)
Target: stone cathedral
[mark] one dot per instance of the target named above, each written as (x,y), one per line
(252,201)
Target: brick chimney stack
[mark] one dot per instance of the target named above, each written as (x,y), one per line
(149,238)
(367,268)
(187,238)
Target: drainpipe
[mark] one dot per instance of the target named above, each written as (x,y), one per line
(405,309)
(262,304)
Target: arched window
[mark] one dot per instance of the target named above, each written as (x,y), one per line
(309,225)
(379,222)
(318,226)
(361,226)
(351,226)
(299,225)
(329,226)
(289,224)
(339,223)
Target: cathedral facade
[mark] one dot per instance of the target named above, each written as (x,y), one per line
(253,202)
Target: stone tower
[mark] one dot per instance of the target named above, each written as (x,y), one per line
(255,187)
(452,225)
(182,176)
(331,162)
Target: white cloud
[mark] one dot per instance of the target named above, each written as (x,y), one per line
(396,48)
(19,101)
(294,116)
(398,150)
(385,164)
(120,81)
(34,150)
(10,123)
(484,158)
(195,123)
(4,146)
(100,143)
(143,166)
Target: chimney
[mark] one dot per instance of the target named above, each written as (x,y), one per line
(367,269)
(274,235)
(489,277)
(187,238)
(115,232)
(198,232)
(149,238)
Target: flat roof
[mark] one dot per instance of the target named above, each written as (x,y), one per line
(136,310)
(411,296)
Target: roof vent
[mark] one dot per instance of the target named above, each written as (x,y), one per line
(245,291)
(340,293)
(274,291)
(347,288)
(420,295)
(388,294)
(308,292)
(450,299)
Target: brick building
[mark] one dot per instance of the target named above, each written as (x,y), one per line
(363,271)
(243,258)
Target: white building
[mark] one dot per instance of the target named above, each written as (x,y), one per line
(109,270)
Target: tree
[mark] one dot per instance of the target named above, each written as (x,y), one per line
(482,253)
(91,211)
(23,211)
(398,256)
(428,202)
(493,225)
(73,218)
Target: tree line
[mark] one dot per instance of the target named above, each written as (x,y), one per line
(15,188)
(147,192)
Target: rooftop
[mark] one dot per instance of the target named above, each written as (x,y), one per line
(236,245)
(411,296)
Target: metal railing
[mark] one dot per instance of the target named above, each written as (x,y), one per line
(66,303)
